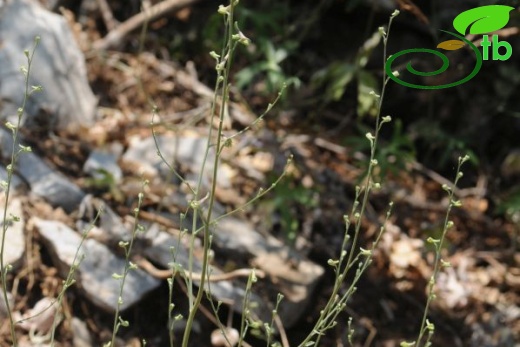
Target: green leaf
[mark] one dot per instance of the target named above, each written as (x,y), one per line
(483,19)
(511,164)
(365,51)
(335,78)
(367,103)
(509,203)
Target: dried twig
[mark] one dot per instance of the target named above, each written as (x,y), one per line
(281,331)
(115,36)
(107,15)
(163,274)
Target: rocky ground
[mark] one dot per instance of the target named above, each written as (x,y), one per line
(289,234)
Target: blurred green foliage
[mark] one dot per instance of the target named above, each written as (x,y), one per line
(392,154)
(335,77)
(104,181)
(289,202)
(508,203)
(331,50)
(442,146)
(261,67)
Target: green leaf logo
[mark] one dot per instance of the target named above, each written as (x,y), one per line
(451,45)
(482,20)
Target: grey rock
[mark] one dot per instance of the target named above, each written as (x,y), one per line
(294,276)
(111,228)
(43,181)
(81,336)
(15,241)
(186,151)
(100,161)
(16,182)
(160,251)
(40,318)
(94,274)
(58,66)
(3,306)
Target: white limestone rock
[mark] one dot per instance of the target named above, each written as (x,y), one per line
(58,66)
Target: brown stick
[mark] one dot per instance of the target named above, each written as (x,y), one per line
(163,274)
(106,13)
(115,36)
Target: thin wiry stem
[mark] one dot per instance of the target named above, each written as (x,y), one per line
(223,79)
(10,169)
(438,244)
(336,302)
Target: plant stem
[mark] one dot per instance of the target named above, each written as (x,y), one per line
(10,169)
